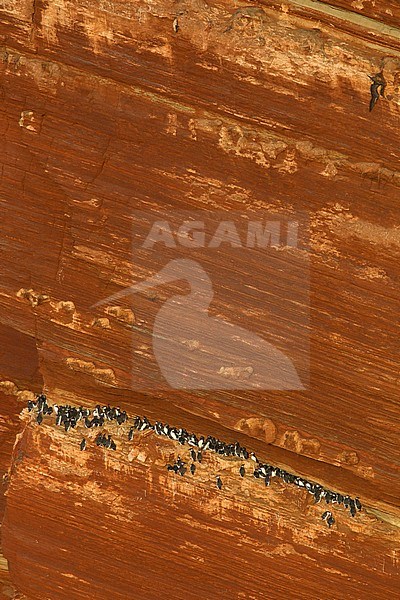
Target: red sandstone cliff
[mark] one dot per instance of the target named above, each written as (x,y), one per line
(247,107)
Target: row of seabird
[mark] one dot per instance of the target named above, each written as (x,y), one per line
(70,416)
(262,470)
(266,472)
(182,436)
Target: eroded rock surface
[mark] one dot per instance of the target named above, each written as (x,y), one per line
(109,108)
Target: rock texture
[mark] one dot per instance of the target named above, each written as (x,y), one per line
(105,109)
(145,532)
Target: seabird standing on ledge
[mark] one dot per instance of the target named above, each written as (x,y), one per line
(254,457)
(69,416)
(378,81)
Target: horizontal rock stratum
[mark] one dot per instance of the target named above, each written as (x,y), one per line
(111,111)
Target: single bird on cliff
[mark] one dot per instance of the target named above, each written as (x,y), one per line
(330,520)
(377,88)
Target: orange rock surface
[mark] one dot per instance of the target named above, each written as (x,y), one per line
(106,110)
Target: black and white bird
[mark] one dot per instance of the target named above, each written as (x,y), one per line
(377,88)
(145,424)
(263,470)
(317,495)
(330,521)
(158,428)
(173,468)
(70,416)
(100,440)
(173,434)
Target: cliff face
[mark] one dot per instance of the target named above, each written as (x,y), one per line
(103,524)
(109,108)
